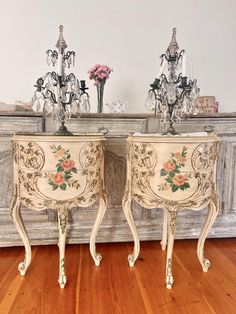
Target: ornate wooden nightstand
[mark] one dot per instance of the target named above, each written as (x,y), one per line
(173,173)
(58,172)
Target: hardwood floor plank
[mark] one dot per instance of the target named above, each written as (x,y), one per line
(9,260)
(217,282)
(110,288)
(114,287)
(153,280)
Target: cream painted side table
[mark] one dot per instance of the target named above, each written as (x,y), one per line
(173,173)
(58,172)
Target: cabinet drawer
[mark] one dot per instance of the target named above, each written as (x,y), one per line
(201,125)
(108,126)
(10,124)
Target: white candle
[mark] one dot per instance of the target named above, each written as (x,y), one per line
(59,64)
(190,70)
(162,68)
(184,70)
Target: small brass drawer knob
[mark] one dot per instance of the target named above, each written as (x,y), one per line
(208,128)
(103,130)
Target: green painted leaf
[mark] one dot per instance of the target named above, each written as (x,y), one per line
(63,186)
(169,180)
(74,170)
(68,156)
(54,187)
(67,176)
(174,188)
(163,172)
(60,169)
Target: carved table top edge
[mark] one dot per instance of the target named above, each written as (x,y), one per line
(48,137)
(159,138)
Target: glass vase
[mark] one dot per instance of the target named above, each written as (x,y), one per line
(100,89)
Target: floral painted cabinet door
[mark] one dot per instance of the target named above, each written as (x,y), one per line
(60,173)
(173,173)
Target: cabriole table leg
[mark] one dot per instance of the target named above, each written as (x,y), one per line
(213,209)
(62,222)
(165,230)
(101,211)
(172,218)
(128,214)
(16,216)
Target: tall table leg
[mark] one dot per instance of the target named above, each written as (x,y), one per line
(16,216)
(165,230)
(128,214)
(213,209)
(172,218)
(101,211)
(62,222)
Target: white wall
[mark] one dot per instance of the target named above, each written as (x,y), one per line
(127,35)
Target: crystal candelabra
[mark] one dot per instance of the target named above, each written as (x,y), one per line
(172,96)
(57,93)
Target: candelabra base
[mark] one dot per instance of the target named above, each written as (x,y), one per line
(62,131)
(171,130)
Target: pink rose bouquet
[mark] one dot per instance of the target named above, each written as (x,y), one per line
(100,73)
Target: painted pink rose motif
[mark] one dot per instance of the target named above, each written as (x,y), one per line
(179,179)
(58,179)
(181,159)
(173,177)
(65,168)
(169,166)
(68,165)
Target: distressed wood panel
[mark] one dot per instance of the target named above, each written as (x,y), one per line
(20,124)
(109,125)
(195,124)
(8,126)
(42,226)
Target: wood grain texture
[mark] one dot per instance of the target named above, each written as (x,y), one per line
(114,287)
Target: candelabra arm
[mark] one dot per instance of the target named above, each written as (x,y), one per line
(51,96)
(179,78)
(70,77)
(164,56)
(164,79)
(181,54)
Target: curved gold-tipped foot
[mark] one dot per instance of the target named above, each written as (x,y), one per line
(169,281)
(205,264)
(62,281)
(131,260)
(97,259)
(22,268)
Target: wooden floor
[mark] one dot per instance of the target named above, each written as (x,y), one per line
(114,287)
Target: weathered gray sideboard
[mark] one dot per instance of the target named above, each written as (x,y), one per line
(42,226)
